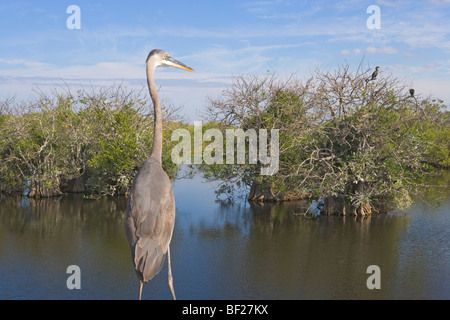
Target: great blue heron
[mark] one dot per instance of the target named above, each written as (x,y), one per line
(150,214)
(375,73)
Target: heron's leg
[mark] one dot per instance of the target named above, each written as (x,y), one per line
(140,289)
(170,280)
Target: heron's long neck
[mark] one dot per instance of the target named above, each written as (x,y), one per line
(156,152)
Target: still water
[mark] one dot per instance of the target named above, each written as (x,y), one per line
(223,251)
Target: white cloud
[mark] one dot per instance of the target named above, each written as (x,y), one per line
(240,60)
(23,62)
(354,51)
(390,3)
(384,50)
(185,89)
(287,39)
(440,2)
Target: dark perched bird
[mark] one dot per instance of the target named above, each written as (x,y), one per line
(411,92)
(375,73)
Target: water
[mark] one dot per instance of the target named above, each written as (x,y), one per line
(222,251)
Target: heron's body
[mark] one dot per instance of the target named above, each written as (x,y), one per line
(150,219)
(151,206)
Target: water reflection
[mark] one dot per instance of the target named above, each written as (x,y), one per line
(223,250)
(274,254)
(38,242)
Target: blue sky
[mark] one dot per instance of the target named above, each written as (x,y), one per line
(219,39)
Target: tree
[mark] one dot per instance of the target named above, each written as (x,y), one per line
(361,145)
(97,139)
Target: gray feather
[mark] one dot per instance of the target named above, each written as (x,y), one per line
(150,219)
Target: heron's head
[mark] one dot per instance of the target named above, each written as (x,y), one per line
(160,58)
(377,68)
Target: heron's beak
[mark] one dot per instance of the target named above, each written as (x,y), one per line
(170,62)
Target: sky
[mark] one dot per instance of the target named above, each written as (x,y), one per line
(41,51)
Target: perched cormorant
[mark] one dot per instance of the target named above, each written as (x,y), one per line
(375,73)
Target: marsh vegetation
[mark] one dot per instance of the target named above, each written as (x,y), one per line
(362,145)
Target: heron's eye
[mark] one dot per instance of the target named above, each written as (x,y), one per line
(166,56)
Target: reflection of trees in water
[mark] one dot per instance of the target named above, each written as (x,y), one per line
(230,220)
(246,216)
(63,227)
(270,219)
(42,239)
(275,247)
(439,189)
(22,214)
(43,216)
(325,257)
